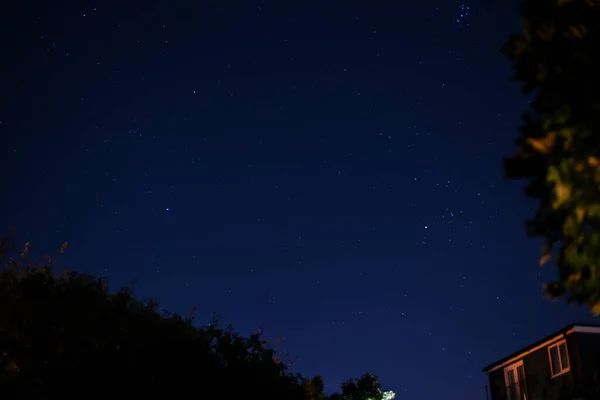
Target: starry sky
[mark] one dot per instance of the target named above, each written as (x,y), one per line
(330,171)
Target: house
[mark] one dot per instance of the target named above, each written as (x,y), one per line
(562,366)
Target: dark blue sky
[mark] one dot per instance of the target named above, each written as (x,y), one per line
(331,171)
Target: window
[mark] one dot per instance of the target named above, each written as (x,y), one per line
(514,378)
(559,359)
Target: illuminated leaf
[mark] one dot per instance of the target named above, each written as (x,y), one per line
(580,213)
(573,278)
(545,259)
(543,145)
(562,193)
(596,308)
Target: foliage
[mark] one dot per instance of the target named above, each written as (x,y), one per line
(367,387)
(315,388)
(556,59)
(60,333)
(66,334)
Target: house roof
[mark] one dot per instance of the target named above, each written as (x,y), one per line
(561,333)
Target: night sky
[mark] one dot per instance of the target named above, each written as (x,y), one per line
(328,170)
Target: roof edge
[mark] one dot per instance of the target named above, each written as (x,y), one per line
(563,332)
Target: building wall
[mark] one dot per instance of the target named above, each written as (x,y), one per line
(540,385)
(586,365)
(497,386)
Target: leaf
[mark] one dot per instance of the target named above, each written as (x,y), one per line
(574,278)
(543,145)
(562,193)
(580,213)
(571,226)
(545,259)
(596,309)
(594,211)
(577,260)
(553,174)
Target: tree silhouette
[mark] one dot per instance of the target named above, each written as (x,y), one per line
(367,387)
(556,59)
(66,334)
(315,388)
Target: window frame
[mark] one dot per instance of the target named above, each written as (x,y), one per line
(562,370)
(514,366)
